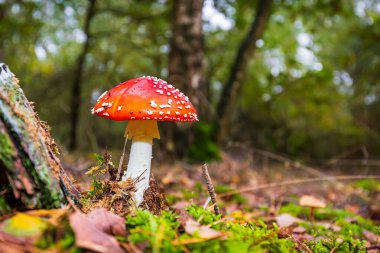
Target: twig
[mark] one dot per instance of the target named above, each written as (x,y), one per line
(121,161)
(300,243)
(298,181)
(140,177)
(206,203)
(373,247)
(70,197)
(291,163)
(210,187)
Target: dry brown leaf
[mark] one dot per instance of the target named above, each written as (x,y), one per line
(286,220)
(370,236)
(107,222)
(91,233)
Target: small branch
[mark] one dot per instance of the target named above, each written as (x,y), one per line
(210,187)
(121,161)
(297,181)
(296,165)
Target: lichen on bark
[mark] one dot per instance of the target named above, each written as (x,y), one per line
(28,166)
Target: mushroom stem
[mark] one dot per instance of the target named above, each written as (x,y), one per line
(142,134)
(139,165)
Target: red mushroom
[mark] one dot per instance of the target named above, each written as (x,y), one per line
(143,101)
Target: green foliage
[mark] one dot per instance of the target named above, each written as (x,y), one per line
(238,198)
(350,228)
(98,189)
(65,242)
(159,231)
(201,215)
(204,149)
(326,246)
(369,185)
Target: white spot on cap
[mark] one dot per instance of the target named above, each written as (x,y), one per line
(119,108)
(165,106)
(153,104)
(106,114)
(99,109)
(160,91)
(104,93)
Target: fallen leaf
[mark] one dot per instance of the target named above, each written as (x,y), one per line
(92,233)
(286,220)
(23,225)
(370,236)
(107,222)
(299,230)
(181,205)
(192,227)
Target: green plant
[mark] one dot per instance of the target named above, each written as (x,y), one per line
(204,149)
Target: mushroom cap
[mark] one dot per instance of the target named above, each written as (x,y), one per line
(311,201)
(145,98)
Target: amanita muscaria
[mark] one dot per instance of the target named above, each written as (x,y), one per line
(142,102)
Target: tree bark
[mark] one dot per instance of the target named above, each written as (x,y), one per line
(186,57)
(245,52)
(28,163)
(186,66)
(76,89)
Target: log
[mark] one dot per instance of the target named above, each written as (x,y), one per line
(29,167)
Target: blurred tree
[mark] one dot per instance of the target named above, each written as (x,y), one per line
(76,89)
(244,54)
(186,64)
(312,90)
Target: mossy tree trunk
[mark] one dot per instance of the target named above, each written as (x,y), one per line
(29,167)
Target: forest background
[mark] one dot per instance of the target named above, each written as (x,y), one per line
(299,78)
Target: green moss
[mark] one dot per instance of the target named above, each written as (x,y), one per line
(203,216)
(4,207)
(337,245)
(6,151)
(160,232)
(295,210)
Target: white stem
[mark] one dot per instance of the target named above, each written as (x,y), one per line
(139,166)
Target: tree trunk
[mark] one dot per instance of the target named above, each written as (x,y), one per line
(245,53)
(186,60)
(186,57)
(28,165)
(76,89)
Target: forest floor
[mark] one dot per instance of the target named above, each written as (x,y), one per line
(262,209)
